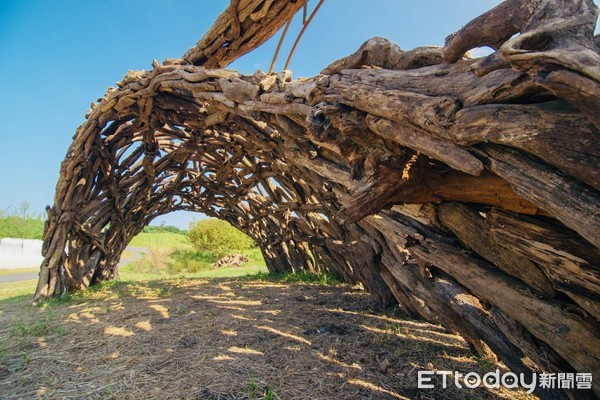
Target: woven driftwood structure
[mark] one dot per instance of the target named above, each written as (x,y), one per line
(466,190)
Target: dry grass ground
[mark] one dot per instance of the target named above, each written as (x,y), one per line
(226,338)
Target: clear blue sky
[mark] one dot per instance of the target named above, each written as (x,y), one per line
(58,56)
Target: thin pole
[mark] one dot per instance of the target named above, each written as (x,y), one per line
(285,30)
(304,13)
(312,15)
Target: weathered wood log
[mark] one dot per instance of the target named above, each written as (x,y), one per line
(467,191)
(470,227)
(554,35)
(562,327)
(574,204)
(245,25)
(442,150)
(572,266)
(231,260)
(381,53)
(550,131)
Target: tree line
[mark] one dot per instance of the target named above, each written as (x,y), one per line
(21,223)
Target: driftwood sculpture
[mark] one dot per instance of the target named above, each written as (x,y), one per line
(466,190)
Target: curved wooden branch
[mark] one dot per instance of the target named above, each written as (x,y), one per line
(470,199)
(245,25)
(556,45)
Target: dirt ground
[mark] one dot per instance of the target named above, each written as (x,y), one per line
(225,339)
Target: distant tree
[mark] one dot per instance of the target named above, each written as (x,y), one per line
(164,229)
(217,237)
(21,223)
(21,220)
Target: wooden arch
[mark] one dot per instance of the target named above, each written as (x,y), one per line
(466,190)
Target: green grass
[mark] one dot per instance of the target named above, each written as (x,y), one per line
(167,258)
(21,363)
(255,257)
(255,268)
(300,277)
(259,391)
(20,290)
(13,271)
(233,272)
(38,328)
(161,239)
(144,270)
(189,261)
(17,290)
(128,275)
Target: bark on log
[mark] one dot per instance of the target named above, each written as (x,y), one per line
(245,25)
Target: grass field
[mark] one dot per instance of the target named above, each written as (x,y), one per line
(17,290)
(129,276)
(161,239)
(17,271)
(26,288)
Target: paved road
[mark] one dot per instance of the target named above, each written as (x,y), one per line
(132,254)
(25,276)
(135,253)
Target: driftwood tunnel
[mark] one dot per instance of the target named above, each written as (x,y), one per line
(466,190)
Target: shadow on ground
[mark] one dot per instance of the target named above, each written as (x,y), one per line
(224,339)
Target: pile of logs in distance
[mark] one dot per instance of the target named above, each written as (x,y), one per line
(465,190)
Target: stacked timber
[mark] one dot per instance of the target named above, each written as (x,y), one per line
(466,190)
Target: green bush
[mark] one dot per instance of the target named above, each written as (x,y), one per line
(189,261)
(192,261)
(217,238)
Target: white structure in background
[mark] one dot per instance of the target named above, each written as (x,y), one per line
(20,253)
